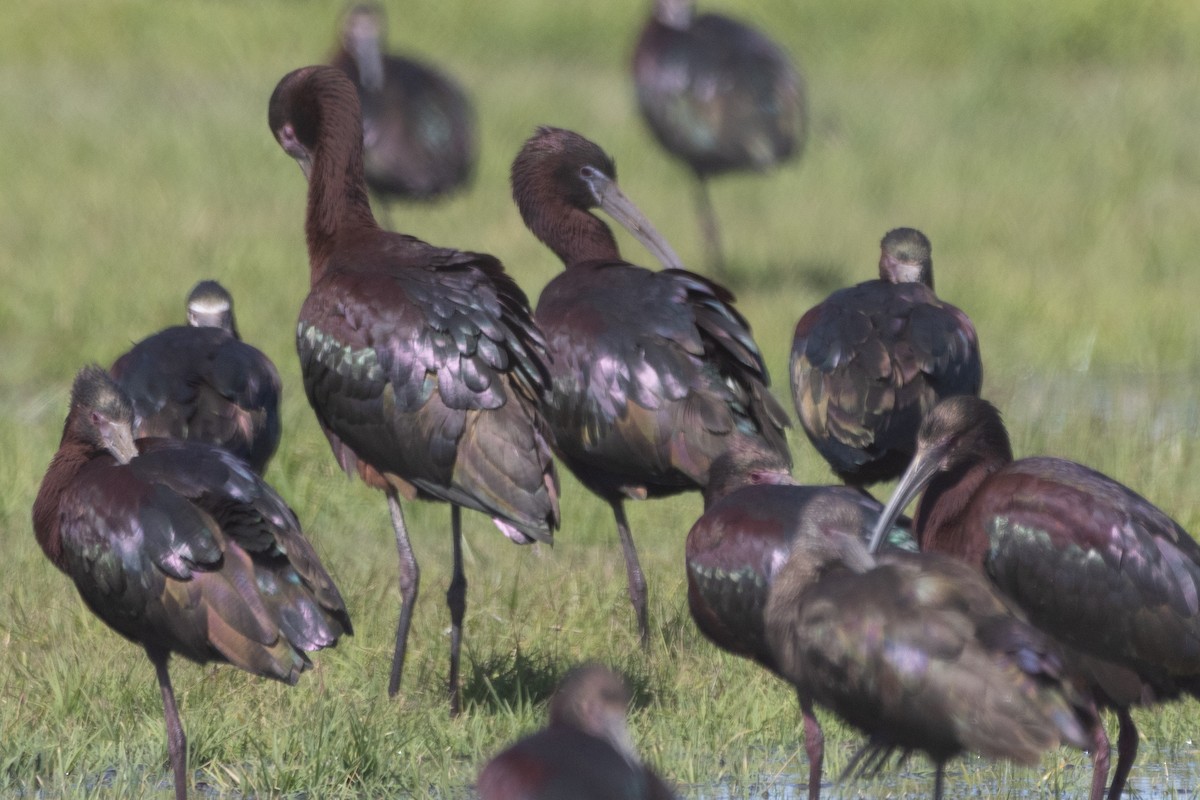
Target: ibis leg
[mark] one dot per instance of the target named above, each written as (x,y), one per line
(410,580)
(456,599)
(176,740)
(814,746)
(708,227)
(1100,754)
(1127,747)
(633,571)
(939,781)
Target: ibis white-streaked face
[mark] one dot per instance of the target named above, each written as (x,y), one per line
(208,312)
(101,413)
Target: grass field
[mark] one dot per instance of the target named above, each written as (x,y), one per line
(1048,150)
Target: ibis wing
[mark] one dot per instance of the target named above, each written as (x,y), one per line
(203,384)
(438,347)
(652,372)
(1095,564)
(868,363)
(185,547)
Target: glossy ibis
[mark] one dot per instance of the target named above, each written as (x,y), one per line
(753,510)
(1092,563)
(422,363)
(584,753)
(916,650)
(179,547)
(418,125)
(200,381)
(655,373)
(870,361)
(719,96)
(763,539)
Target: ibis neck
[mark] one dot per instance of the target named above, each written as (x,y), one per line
(337,191)
(942,524)
(67,462)
(577,236)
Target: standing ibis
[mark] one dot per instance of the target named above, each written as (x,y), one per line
(418,125)
(719,96)
(654,373)
(916,650)
(899,646)
(584,753)
(1091,562)
(870,361)
(200,381)
(422,363)
(179,547)
(753,510)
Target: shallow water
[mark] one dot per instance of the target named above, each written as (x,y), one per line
(1166,772)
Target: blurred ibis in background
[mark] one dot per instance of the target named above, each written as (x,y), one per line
(655,373)
(1091,562)
(920,652)
(418,125)
(200,381)
(719,96)
(422,363)
(180,547)
(584,753)
(869,362)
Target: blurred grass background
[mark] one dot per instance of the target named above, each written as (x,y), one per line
(1048,150)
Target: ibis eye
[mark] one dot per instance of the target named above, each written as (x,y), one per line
(587,173)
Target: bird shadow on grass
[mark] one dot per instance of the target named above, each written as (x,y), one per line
(512,680)
(817,277)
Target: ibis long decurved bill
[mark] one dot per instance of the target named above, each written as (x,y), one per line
(120,443)
(924,466)
(614,203)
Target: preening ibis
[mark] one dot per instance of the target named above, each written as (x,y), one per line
(200,381)
(584,753)
(719,96)
(422,363)
(654,373)
(418,125)
(900,645)
(180,547)
(1091,562)
(916,650)
(753,510)
(870,361)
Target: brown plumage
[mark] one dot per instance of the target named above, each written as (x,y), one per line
(654,373)
(1091,562)
(181,548)
(200,381)
(422,363)
(900,645)
(868,363)
(584,753)
(916,650)
(753,511)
